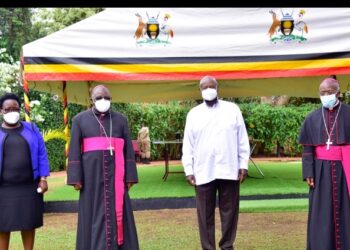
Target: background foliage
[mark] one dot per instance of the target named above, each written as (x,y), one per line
(163,121)
(268,125)
(15,28)
(271,126)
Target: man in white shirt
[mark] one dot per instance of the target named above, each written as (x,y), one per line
(215,158)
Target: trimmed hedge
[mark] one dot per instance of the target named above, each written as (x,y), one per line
(270,125)
(55,151)
(163,121)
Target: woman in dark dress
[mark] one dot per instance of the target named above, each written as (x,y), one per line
(24,167)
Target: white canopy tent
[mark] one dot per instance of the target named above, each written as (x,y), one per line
(159,54)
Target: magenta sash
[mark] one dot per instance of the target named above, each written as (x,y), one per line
(101,143)
(336,153)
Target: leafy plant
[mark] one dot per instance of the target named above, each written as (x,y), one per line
(55,142)
(272,126)
(51,134)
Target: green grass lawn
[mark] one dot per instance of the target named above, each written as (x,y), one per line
(280,178)
(274,205)
(263,224)
(174,229)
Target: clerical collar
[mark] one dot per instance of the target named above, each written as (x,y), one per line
(99,113)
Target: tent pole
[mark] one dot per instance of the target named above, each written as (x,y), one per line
(88,104)
(25,92)
(65,118)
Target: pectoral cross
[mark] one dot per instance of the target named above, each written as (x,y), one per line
(328,143)
(110,150)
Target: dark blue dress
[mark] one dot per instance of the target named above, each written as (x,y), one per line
(20,205)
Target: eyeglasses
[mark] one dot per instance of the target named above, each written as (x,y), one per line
(102,97)
(8,110)
(328,92)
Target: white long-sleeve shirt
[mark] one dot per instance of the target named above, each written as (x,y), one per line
(215,143)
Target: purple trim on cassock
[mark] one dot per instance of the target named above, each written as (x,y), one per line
(336,153)
(335,206)
(102,143)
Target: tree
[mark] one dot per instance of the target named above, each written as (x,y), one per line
(19,26)
(15,31)
(49,20)
(9,78)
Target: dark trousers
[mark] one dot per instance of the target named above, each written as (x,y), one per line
(228,207)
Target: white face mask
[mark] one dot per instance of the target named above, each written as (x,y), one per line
(328,101)
(11,117)
(209,94)
(102,105)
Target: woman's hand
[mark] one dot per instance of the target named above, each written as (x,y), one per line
(43,185)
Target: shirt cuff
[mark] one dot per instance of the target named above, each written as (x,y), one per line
(243,164)
(188,170)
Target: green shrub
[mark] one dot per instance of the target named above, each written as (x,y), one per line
(163,120)
(55,151)
(273,126)
(270,125)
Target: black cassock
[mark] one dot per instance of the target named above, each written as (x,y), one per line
(329,203)
(95,170)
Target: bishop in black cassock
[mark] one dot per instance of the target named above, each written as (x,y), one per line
(327,165)
(102,166)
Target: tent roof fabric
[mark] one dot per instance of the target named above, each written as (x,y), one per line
(251,51)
